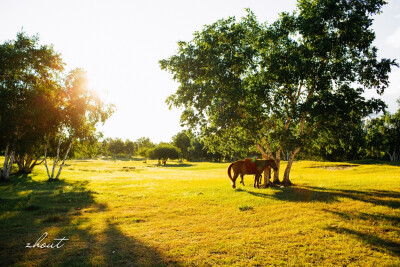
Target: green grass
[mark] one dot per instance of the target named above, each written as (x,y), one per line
(118,213)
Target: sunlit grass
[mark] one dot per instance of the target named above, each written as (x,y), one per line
(138,213)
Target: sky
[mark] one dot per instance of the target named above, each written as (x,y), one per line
(119,44)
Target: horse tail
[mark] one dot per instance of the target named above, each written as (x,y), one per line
(229,171)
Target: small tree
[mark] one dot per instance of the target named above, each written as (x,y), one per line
(164,152)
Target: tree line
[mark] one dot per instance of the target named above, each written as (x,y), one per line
(184,146)
(372,138)
(357,139)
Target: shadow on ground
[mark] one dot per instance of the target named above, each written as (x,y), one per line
(384,238)
(386,198)
(384,235)
(29,208)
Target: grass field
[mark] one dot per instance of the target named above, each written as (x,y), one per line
(131,213)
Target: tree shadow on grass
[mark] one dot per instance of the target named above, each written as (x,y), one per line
(386,198)
(122,250)
(294,194)
(381,244)
(30,208)
(108,247)
(381,240)
(383,236)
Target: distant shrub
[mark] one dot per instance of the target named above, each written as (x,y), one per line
(164,152)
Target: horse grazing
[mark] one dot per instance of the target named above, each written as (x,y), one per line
(250,166)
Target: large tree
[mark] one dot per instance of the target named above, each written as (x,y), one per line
(29,81)
(277,85)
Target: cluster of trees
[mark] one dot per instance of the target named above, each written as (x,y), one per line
(281,86)
(355,139)
(43,110)
(372,138)
(184,146)
(383,137)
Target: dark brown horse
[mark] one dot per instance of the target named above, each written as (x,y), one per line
(249,166)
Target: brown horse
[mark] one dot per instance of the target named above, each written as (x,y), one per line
(249,166)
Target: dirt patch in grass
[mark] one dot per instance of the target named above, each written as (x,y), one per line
(336,167)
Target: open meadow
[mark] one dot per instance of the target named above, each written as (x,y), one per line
(135,213)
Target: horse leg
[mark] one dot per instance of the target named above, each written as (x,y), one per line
(257,180)
(241,179)
(235,176)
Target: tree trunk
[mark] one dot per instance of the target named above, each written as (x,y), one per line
(65,157)
(286,181)
(4,170)
(33,165)
(267,177)
(45,160)
(8,162)
(56,160)
(25,164)
(278,164)
(270,156)
(19,163)
(393,156)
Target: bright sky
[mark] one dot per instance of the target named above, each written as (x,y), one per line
(119,44)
